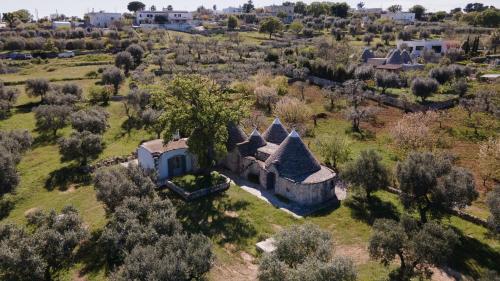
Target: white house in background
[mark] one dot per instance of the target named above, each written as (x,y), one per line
(401,17)
(233,10)
(368,11)
(61,24)
(168,160)
(102,19)
(416,47)
(163,16)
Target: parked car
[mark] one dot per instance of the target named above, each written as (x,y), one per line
(67,54)
(19,56)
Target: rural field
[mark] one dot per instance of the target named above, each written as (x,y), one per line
(417,149)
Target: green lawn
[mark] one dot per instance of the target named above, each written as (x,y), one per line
(192,182)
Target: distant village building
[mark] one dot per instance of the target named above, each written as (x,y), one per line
(416,47)
(280,10)
(400,17)
(278,161)
(102,19)
(233,10)
(396,60)
(61,24)
(170,19)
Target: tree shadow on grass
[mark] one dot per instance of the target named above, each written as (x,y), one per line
(91,255)
(66,176)
(27,107)
(472,256)
(368,210)
(215,216)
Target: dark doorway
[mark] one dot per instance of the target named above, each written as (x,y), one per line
(177,166)
(271,181)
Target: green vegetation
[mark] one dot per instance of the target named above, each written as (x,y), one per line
(192,183)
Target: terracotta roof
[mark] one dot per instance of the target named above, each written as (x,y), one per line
(390,66)
(276,133)
(235,136)
(293,159)
(159,147)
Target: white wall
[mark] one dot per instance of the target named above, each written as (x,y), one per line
(163,162)
(145,158)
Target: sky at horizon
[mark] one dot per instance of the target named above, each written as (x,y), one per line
(79,7)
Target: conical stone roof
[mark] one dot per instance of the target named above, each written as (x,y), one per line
(395,57)
(367,54)
(293,159)
(255,140)
(276,133)
(406,57)
(234,136)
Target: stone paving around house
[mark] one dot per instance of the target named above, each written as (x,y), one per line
(291,208)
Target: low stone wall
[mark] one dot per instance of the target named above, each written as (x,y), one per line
(113,161)
(386,99)
(463,215)
(189,196)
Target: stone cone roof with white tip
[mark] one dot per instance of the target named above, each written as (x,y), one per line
(276,133)
(395,57)
(256,140)
(293,159)
(235,136)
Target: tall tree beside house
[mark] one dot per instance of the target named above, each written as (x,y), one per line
(395,8)
(200,110)
(417,247)
(271,26)
(419,11)
(339,9)
(431,184)
(248,7)
(136,6)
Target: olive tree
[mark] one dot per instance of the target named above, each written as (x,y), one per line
(37,87)
(334,150)
(94,120)
(137,53)
(57,236)
(8,98)
(81,146)
(493,202)
(432,184)
(424,87)
(124,60)
(51,118)
(113,76)
(116,183)
(271,25)
(386,80)
(176,257)
(417,247)
(304,253)
(367,172)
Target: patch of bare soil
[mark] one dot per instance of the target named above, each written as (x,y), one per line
(242,269)
(70,189)
(446,274)
(77,276)
(31,210)
(358,253)
(231,214)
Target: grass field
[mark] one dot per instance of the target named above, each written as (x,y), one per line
(236,220)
